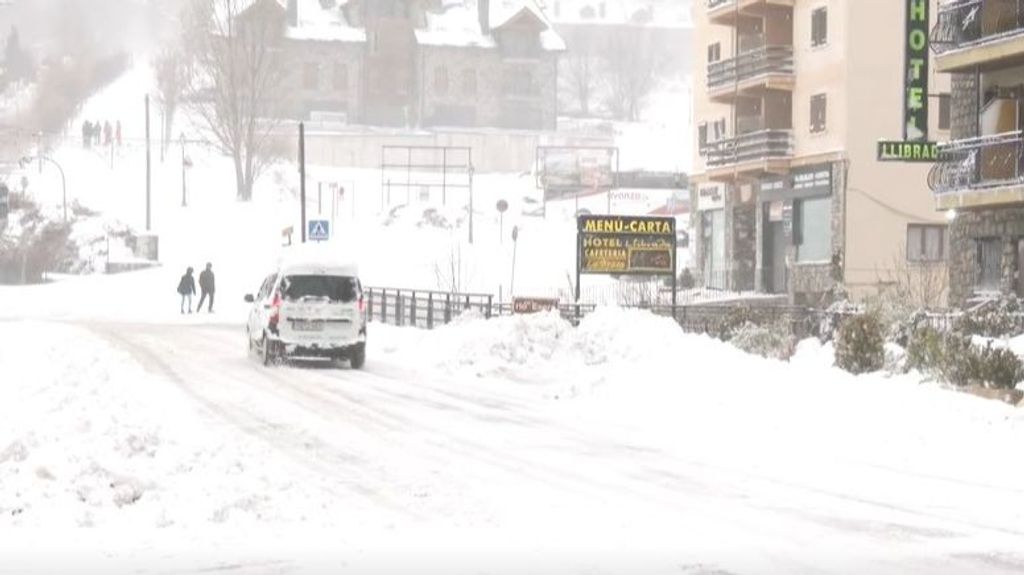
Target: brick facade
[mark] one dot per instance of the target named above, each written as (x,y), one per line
(1004,225)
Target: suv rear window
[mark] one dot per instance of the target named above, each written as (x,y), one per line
(331,288)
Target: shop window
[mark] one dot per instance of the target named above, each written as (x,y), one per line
(814,230)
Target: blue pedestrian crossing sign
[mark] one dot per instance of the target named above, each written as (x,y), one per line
(319,230)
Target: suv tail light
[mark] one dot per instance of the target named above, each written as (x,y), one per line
(275,314)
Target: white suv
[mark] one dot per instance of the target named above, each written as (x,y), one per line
(309,310)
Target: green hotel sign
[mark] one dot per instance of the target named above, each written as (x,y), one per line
(915,99)
(900,151)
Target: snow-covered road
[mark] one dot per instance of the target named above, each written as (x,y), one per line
(400,465)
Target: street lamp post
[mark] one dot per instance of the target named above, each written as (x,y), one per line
(63,180)
(184,201)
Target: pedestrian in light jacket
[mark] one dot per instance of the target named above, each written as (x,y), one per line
(187,288)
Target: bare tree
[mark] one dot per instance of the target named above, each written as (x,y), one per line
(235,73)
(171,79)
(917,284)
(580,72)
(633,64)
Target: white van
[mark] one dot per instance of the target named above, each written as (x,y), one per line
(309,310)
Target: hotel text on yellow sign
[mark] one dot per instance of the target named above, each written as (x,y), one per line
(627,245)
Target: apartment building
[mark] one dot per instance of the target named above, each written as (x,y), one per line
(790,192)
(979,177)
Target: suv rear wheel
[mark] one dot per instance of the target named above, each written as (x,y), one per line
(267,353)
(357,357)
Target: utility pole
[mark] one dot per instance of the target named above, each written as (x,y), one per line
(184,201)
(470,205)
(149,169)
(302,176)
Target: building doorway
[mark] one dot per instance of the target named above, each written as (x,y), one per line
(774,249)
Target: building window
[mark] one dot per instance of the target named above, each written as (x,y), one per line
(814,229)
(519,81)
(340,77)
(926,243)
(441,80)
(469,82)
(311,76)
(719,129)
(819,113)
(702,137)
(945,111)
(819,27)
(990,263)
(714,52)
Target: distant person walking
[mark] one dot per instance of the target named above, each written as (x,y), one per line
(118,130)
(86,134)
(108,133)
(97,133)
(207,286)
(187,288)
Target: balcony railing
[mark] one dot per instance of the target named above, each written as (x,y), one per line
(759,62)
(963,23)
(755,146)
(712,4)
(979,163)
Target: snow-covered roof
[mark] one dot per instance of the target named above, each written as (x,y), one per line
(323,24)
(654,13)
(458,24)
(503,11)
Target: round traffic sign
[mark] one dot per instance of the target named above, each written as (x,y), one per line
(502,206)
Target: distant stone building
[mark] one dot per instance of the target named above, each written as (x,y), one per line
(412,63)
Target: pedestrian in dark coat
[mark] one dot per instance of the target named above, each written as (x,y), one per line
(118,132)
(187,288)
(207,286)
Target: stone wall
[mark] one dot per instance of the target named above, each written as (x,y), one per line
(1006,224)
(327,96)
(744,246)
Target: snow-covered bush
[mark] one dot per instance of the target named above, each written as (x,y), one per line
(860,344)
(772,341)
(999,318)
(732,322)
(959,363)
(1000,367)
(925,350)
(836,314)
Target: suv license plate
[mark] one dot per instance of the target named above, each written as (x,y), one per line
(308,325)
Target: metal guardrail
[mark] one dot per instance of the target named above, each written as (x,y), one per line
(423,308)
(758,62)
(760,145)
(979,163)
(963,23)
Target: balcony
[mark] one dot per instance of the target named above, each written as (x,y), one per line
(728,11)
(984,33)
(752,152)
(979,172)
(763,68)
